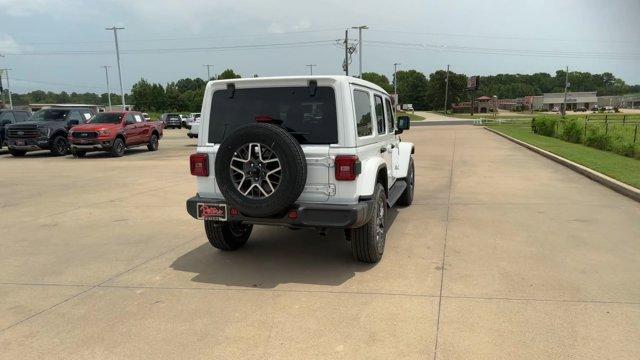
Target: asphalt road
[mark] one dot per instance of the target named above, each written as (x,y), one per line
(504,255)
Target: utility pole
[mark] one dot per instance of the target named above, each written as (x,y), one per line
(106,75)
(395,78)
(446,90)
(346,52)
(6,71)
(208,66)
(115,35)
(566,86)
(311,68)
(360,28)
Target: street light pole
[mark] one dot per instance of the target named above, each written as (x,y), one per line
(360,28)
(208,66)
(311,68)
(566,86)
(106,74)
(446,91)
(115,35)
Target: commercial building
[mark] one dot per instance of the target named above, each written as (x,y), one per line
(575,100)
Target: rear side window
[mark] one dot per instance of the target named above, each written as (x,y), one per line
(362,104)
(389,110)
(311,119)
(380,122)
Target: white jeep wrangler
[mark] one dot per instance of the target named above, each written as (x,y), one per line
(308,151)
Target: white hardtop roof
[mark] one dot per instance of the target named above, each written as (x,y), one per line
(337,78)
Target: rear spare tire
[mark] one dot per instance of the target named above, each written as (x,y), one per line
(261,169)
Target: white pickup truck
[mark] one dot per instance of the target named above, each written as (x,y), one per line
(308,151)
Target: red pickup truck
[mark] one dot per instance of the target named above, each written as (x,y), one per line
(114,132)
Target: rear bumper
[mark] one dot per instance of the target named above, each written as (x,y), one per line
(309,215)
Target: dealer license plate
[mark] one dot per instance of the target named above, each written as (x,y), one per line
(212,211)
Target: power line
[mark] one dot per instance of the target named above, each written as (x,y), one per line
(183,50)
(479,36)
(183,38)
(506,51)
(81,86)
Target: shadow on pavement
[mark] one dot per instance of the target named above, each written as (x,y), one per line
(275,256)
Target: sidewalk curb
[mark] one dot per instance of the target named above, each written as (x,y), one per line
(613,184)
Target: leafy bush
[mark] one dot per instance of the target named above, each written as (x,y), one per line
(572,131)
(598,140)
(544,126)
(621,146)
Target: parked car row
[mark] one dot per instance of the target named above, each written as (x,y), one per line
(81,130)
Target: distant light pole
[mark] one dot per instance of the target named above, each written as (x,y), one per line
(310,66)
(360,28)
(106,75)
(566,86)
(6,71)
(115,35)
(208,66)
(446,90)
(495,106)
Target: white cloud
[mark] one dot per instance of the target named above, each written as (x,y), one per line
(9,46)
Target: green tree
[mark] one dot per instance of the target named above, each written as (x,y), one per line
(379,80)
(228,74)
(437,86)
(412,88)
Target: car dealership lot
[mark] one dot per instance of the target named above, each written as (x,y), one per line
(99,259)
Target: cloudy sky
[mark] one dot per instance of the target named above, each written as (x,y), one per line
(61,44)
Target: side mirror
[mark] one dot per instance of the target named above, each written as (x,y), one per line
(5,122)
(403,123)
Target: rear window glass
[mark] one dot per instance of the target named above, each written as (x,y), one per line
(310,119)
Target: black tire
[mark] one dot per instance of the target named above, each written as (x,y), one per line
(117,150)
(407,196)
(17,153)
(292,163)
(153,143)
(59,146)
(367,243)
(78,153)
(227,236)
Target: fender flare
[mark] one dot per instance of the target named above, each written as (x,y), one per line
(367,178)
(405,150)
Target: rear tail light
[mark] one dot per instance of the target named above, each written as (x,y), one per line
(347,167)
(199,164)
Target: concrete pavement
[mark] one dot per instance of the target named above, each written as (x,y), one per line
(503,255)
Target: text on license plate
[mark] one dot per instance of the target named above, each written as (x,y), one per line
(212,211)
